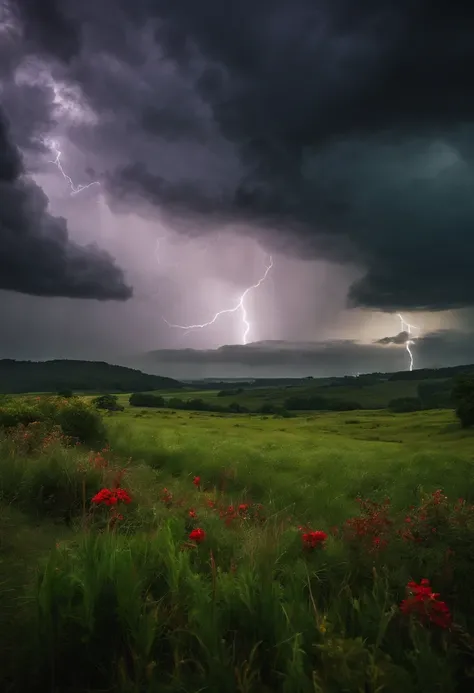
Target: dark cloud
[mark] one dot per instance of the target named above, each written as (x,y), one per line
(400,338)
(46,26)
(349,125)
(336,357)
(36,255)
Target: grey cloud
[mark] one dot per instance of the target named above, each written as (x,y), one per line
(400,338)
(337,357)
(352,123)
(36,254)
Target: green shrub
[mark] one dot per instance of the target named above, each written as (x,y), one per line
(463,397)
(107,402)
(146,399)
(41,475)
(82,422)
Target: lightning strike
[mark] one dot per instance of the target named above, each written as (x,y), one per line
(57,162)
(240,306)
(405,326)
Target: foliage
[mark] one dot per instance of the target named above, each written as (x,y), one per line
(76,418)
(463,396)
(238,555)
(146,399)
(107,402)
(435,394)
(405,404)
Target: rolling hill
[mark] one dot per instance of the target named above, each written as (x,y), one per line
(82,376)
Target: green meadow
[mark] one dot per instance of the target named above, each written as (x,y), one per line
(256,554)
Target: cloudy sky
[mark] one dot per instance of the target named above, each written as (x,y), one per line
(332,139)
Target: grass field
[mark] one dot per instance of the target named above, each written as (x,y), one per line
(369,396)
(121,598)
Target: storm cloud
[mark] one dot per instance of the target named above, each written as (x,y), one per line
(400,338)
(333,129)
(329,358)
(37,256)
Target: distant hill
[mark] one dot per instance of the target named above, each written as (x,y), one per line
(81,376)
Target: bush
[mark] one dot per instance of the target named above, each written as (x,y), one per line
(108,402)
(80,421)
(41,475)
(145,399)
(463,397)
(18,412)
(405,404)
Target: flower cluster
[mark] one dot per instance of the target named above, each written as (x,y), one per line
(166,497)
(372,526)
(423,604)
(111,497)
(100,460)
(36,436)
(313,538)
(243,511)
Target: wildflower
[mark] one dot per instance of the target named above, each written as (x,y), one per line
(198,535)
(111,497)
(167,497)
(423,603)
(379,543)
(313,539)
(192,513)
(122,495)
(197,481)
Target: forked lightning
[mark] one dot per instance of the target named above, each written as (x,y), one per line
(57,162)
(240,306)
(406,327)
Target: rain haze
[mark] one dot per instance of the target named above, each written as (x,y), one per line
(158,159)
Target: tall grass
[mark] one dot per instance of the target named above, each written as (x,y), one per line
(128,601)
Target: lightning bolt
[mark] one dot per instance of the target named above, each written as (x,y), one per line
(240,306)
(405,326)
(57,162)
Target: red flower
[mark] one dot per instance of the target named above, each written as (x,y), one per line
(423,603)
(198,535)
(197,481)
(192,513)
(313,539)
(110,497)
(123,495)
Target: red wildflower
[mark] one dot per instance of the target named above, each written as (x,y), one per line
(110,497)
(192,513)
(313,539)
(379,543)
(197,481)
(372,526)
(198,535)
(423,603)
(166,497)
